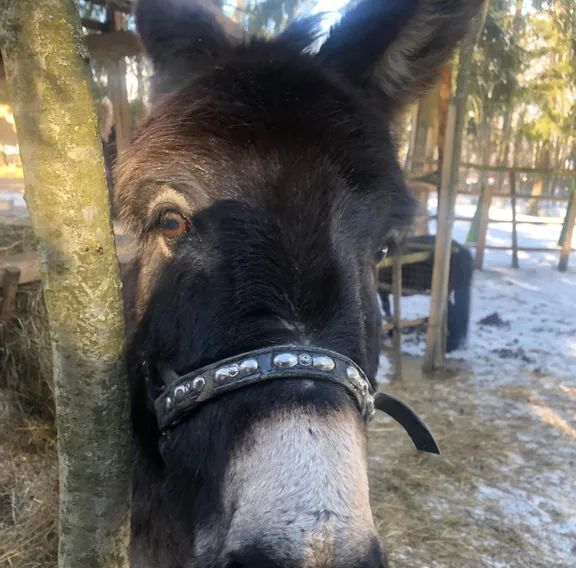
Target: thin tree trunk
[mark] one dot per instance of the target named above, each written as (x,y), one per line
(68,201)
(444,98)
(504,142)
(436,332)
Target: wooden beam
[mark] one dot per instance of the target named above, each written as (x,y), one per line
(397,297)
(436,332)
(27,263)
(94,25)
(113,46)
(483,226)
(508,221)
(568,231)
(518,196)
(9,290)
(405,324)
(126,6)
(514,222)
(520,248)
(410,258)
(518,169)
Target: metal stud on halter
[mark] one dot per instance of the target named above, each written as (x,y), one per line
(180,392)
(305,359)
(352,373)
(285,360)
(249,366)
(296,362)
(323,363)
(221,374)
(198,385)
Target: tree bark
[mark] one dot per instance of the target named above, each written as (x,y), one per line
(68,202)
(436,332)
(444,98)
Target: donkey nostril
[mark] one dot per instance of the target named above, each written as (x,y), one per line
(252,557)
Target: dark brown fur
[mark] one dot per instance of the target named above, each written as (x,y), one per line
(284,165)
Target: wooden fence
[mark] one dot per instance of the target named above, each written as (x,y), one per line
(480,245)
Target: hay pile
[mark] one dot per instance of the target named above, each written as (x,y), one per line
(28,470)
(25,355)
(28,491)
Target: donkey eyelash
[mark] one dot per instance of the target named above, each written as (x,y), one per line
(159,211)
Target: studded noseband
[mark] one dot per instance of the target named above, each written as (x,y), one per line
(184,393)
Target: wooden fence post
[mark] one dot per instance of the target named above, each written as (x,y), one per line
(483,226)
(67,197)
(568,230)
(9,291)
(514,221)
(397,321)
(435,335)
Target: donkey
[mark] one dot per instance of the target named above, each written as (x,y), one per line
(261,186)
(418,277)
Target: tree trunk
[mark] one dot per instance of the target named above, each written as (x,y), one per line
(68,201)
(444,98)
(422,154)
(503,151)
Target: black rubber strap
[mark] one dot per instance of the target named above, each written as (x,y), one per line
(409,420)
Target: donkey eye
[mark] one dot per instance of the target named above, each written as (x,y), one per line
(381,254)
(172,224)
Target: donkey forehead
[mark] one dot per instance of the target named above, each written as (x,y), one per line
(238,129)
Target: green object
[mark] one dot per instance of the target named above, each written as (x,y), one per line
(472,236)
(568,214)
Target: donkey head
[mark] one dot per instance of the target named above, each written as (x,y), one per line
(262,186)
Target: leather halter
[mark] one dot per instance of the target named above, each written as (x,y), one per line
(184,393)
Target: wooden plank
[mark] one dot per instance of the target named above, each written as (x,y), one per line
(559,198)
(405,291)
(27,263)
(397,297)
(94,25)
(520,248)
(9,290)
(410,258)
(406,324)
(126,6)
(514,222)
(113,46)
(508,221)
(436,332)
(13,220)
(483,226)
(517,169)
(568,231)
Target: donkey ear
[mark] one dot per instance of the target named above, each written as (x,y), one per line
(397,46)
(181,37)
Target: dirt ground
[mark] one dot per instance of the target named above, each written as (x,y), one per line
(503,492)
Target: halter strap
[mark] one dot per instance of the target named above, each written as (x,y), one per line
(184,393)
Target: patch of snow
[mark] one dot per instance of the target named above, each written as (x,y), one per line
(537,301)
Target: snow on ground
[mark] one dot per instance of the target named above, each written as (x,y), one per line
(503,492)
(536,302)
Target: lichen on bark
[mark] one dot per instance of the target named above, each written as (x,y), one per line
(67,197)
